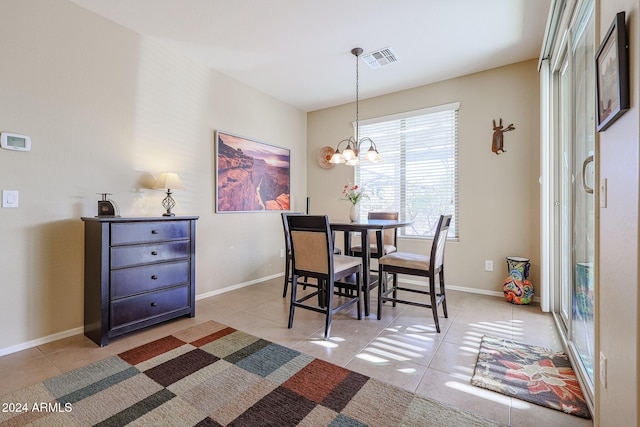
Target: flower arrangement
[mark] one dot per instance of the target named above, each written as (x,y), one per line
(353,193)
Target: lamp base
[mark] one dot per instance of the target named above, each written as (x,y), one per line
(168,203)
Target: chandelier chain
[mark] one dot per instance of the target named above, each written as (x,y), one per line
(357,101)
(353,146)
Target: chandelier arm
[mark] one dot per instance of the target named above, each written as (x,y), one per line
(370,141)
(348,141)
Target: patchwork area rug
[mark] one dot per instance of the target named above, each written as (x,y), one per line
(213,375)
(530,373)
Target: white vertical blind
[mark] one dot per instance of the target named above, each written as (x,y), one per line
(419,175)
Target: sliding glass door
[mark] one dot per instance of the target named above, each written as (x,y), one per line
(575,181)
(583,188)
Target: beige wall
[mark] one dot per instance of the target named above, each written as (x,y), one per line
(499,194)
(618,298)
(107,111)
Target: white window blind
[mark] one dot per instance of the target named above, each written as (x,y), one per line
(419,174)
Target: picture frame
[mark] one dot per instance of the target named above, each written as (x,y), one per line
(251,176)
(612,74)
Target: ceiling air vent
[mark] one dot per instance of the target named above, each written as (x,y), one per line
(379,58)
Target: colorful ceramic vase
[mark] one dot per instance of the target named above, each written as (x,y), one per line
(517,289)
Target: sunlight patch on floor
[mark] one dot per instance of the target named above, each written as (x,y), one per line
(387,354)
(325,344)
(488,395)
(465,372)
(421,337)
(461,376)
(474,335)
(421,328)
(469,349)
(400,344)
(371,358)
(379,345)
(412,328)
(492,327)
(510,323)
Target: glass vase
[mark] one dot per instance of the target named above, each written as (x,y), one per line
(354,213)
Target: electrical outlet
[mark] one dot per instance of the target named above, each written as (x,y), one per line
(488,265)
(281,253)
(603,370)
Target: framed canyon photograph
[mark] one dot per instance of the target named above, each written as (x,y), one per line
(251,176)
(612,73)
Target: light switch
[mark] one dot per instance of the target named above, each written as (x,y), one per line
(9,199)
(603,370)
(603,192)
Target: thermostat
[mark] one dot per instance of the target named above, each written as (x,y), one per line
(13,141)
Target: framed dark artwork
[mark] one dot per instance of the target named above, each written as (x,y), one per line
(251,176)
(612,74)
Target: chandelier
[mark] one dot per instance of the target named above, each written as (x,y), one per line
(354,145)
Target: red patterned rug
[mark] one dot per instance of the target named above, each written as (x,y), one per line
(530,373)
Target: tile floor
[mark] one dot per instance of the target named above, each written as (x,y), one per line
(403,348)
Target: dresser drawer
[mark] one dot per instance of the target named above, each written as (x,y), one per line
(126,256)
(149,305)
(136,280)
(143,232)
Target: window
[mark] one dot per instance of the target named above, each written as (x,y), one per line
(419,174)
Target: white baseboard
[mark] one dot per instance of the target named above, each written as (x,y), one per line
(462,289)
(238,286)
(40,341)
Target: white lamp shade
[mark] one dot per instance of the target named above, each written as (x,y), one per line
(336,158)
(348,154)
(169,181)
(353,162)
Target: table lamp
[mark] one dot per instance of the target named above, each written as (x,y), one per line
(168,181)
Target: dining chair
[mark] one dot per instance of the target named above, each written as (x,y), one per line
(287,263)
(417,265)
(380,247)
(313,256)
(287,248)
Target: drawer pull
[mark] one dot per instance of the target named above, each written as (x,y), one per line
(154,252)
(154,277)
(154,231)
(154,304)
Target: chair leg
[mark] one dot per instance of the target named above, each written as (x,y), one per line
(359,294)
(395,287)
(287,266)
(293,298)
(444,296)
(382,284)
(434,300)
(329,307)
(322,293)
